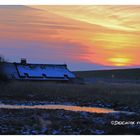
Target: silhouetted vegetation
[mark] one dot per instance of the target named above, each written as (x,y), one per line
(3,77)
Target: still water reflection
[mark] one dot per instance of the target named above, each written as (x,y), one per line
(62,107)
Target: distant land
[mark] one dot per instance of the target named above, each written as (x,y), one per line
(131,74)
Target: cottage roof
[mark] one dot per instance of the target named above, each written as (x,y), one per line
(37,71)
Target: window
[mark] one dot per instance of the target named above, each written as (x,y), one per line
(44,75)
(26,74)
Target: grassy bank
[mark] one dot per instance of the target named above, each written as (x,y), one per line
(115,95)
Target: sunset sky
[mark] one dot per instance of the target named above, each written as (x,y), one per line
(84,37)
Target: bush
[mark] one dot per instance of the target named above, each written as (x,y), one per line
(3,77)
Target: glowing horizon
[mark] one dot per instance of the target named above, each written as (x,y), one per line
(95,35)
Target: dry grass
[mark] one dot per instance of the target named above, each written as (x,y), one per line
(126,94)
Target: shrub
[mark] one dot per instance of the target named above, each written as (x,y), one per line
(3,77)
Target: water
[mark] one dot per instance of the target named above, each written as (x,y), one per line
(61,107)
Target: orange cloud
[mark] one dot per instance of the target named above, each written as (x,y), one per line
(105,35)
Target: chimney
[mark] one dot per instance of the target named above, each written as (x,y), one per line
(23,61)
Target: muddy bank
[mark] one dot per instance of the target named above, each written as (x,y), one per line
(60,122)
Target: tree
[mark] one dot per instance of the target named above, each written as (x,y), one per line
(1,59)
